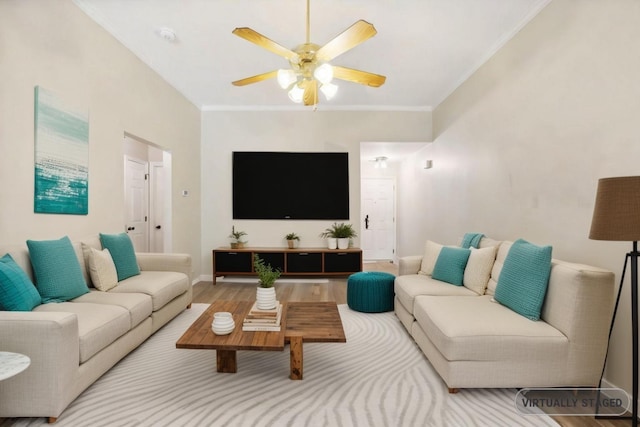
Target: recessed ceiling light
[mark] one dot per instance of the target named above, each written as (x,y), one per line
(167,34)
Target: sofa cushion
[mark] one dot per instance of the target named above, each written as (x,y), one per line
(57,270)
(138,305)
(524,278)
(407,287)
(161,286)
(480,329)
(102,270)
(431,252)
(478,269)
(99,325)
(123,254)
(17,292)
(503,250)
(450,265)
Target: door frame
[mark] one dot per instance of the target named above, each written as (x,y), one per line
(136,148)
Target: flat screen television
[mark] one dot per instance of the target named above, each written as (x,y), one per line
(290,185)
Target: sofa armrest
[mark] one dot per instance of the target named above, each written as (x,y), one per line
(50,339)
(579,303)
(409,265)
(165,262)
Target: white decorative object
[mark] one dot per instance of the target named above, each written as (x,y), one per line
(332,243)
(266,298)
(343,243)
(223,323)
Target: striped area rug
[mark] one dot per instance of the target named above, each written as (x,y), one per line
(378,378)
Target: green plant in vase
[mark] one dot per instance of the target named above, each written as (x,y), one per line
(338,235)
(237,241)
(267,275)
(292,240)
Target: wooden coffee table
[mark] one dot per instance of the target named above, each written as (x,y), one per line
(301,322)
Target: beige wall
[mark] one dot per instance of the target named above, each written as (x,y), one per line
(518,148)
(342,131)
(53,44)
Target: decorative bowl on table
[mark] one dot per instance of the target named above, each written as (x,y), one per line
(223,323)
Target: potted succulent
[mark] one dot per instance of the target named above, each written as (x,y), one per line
(292,240)
(267,275)
(338,235)
(237,241)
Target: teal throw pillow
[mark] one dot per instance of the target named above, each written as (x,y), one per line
(450,265)
(522,285)
(123,254)
(17,293)
(56,269)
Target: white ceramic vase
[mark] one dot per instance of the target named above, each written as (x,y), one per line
(266,298)
(223,323)
(343,243)
(332,243)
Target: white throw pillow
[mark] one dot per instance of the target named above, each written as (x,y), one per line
(102,269)
(431,252)
(478,269)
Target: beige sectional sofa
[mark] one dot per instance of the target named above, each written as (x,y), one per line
(71,344)
(473,341)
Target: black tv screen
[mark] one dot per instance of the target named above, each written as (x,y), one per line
(290,185)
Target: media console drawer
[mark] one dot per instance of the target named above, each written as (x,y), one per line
(300,261)
(304,262)
(342,262)
(233,262)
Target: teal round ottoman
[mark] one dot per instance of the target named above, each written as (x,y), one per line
(370,291)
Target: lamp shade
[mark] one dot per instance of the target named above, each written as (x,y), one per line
(616,215)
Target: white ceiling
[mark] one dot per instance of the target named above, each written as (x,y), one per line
(425,48)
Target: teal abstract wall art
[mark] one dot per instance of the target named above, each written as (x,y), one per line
(61,156)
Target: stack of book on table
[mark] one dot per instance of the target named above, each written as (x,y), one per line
(263,320)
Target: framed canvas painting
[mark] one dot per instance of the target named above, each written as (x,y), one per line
(61,156)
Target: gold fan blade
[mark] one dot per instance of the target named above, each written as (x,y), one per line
(357,76)
(348,39)
(264,42)
(256,79)
(310,96)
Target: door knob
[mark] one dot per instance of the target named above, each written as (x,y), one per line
(366,222)
(158,227)
(130,228)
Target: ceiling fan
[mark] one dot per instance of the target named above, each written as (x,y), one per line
(310,69)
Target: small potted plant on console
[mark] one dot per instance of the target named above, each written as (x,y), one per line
(267,275)
(237,241)
(338,235)
(344,233)
(292,240)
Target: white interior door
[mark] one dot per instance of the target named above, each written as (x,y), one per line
(137,202)
(378,232)
(157,203)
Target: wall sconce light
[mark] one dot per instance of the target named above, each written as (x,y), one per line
(381,162)
(428,164)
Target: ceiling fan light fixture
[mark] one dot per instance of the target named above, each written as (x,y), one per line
(310,63)
(323,73)
(329,90)
(296,93)
(286,78)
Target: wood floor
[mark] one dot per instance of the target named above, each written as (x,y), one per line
(335,289)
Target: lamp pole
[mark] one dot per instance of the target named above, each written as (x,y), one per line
(634,325)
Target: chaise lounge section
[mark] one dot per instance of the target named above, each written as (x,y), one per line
(473,341)
(72,343)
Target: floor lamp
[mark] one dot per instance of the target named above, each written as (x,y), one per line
(616,216)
